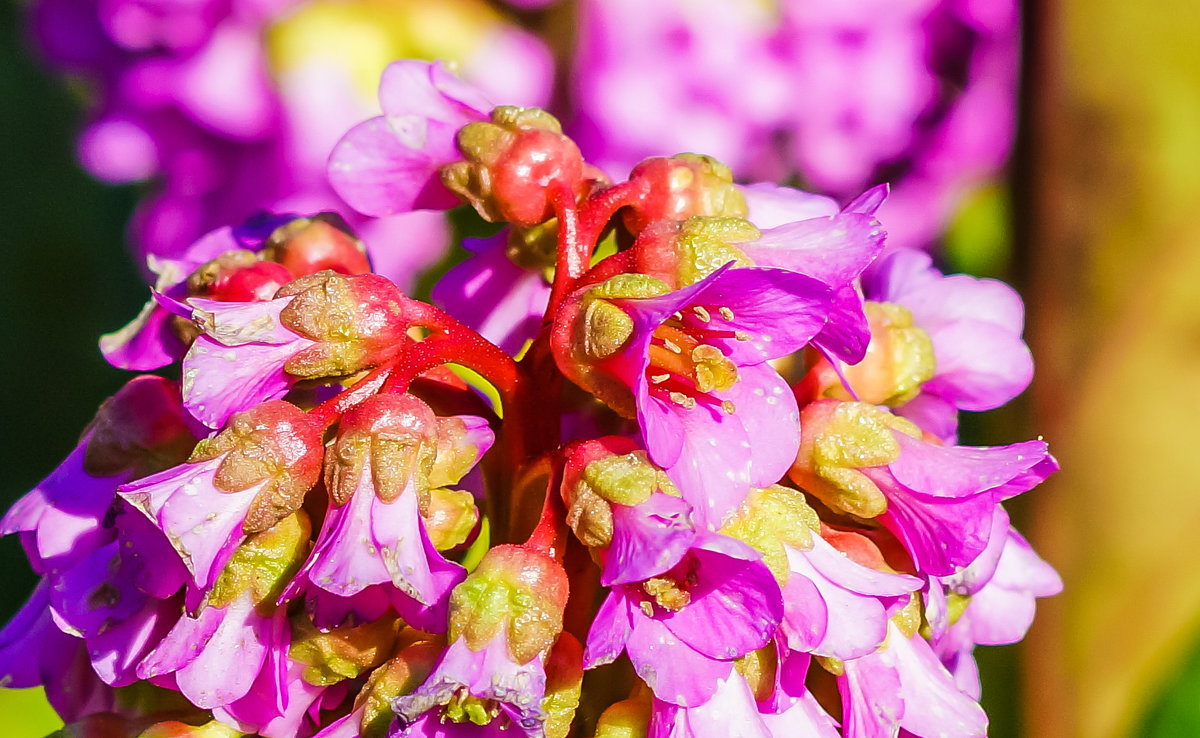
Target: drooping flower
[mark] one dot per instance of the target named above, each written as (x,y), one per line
(504,620)
(373,546)
(324,325)
(242,481)
(938,500)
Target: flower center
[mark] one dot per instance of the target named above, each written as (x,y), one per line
(463,707)
(685,368)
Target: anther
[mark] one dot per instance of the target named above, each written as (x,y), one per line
(659,378)
(672,346)
(728,407)
(677,315)
(726,313)
(741,335)
(701,313)
(683,400)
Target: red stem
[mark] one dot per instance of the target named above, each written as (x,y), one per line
(332,409)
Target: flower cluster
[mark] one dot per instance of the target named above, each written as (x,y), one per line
(718,469)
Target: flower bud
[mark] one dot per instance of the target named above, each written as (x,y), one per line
(770,519)
(512,163)
(899,359)
(514,587)
(682,186)
(839,438)
(274,444)
(341,653)
(141,428)
(683,253)
(358,321)
(310,245)
(398,433)
(264,563)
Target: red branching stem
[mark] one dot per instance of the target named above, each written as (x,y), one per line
(332,409)
(550,534)
(573,252)
(601,207)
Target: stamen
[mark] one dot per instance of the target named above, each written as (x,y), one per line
(741,335)
(726,313)
(701,313)
(677,315)
(659,378)
(672,346)
(728,407)
(683,400)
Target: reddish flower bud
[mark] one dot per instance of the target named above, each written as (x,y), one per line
(683,186)
(358,321)
(324,241)
(512,165)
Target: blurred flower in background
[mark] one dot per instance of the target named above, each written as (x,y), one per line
(833,96)
(225,107)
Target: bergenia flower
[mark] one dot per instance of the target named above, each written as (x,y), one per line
(140,429)
(691,365)
(904,686)
(322,325)
(244,480)
(626,510)
(373,539)
(504,620)
(940,501)
(975,326)
(149,341)
(683,629)
(502,301)
(390,163)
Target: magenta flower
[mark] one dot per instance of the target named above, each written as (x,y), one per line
(489,675)
(248,477)
(683,629)
(234,640)
(491,294)
(834,249)
(904,686)
(975,326)
(239,360)
(373,532)
(148,341)
(941,500)
(389,164)
(694,362)
(834,606)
